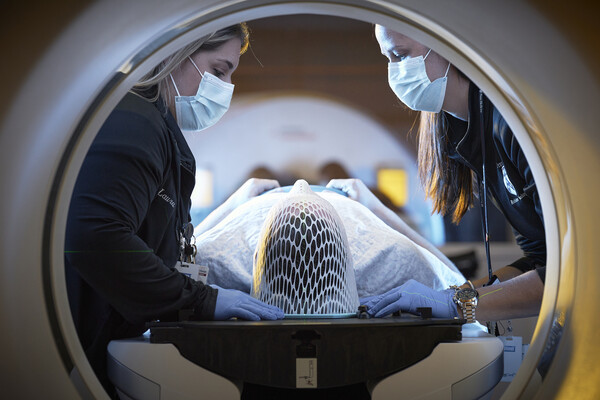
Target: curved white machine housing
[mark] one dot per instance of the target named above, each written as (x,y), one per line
(61,85)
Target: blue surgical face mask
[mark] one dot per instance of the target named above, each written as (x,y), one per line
(211,102)
(409,81)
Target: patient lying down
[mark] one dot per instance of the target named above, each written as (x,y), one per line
(244,246)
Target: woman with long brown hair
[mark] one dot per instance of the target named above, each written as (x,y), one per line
(465,148)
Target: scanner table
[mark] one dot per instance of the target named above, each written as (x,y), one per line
(349,358)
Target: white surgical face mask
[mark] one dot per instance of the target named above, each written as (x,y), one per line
(409,81)
(211,102)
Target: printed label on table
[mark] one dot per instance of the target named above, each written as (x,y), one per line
(306,372)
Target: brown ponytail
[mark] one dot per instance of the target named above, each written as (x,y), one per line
(447,182)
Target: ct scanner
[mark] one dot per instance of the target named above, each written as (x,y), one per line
(63,82)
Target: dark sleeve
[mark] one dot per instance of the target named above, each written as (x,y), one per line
(525,264)
(542,273)
(533,243)
(116,185)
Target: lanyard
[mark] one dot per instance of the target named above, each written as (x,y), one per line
(483,193)
(187,248)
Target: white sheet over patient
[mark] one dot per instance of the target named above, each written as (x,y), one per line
(383,258)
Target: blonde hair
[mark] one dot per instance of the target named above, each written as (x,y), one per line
(154,84)
(447,182)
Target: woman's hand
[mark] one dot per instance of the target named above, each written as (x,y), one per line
(233,303)
(357,190)
(409,297)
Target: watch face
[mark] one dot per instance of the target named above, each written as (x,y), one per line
(466,294)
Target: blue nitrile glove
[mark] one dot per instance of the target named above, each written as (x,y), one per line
(233,303)
(410,296)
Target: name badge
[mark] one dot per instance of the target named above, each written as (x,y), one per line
(513,356)
(196,272)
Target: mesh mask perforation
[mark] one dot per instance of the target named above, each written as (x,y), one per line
(302,262)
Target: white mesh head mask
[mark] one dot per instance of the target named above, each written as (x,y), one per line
(302,262)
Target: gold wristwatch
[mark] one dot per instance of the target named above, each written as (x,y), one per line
(467,300)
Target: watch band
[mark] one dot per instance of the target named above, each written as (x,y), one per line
(468,309)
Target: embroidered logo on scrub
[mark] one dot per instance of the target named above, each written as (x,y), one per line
(165,197)
(507,183)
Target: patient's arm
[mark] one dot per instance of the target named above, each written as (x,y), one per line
(357,190)
(251,188)
(394,221)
